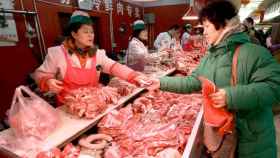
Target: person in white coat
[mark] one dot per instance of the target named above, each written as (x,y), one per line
(166,40)
(137,51)
(187,34)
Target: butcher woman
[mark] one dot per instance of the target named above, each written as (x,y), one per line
(77,62)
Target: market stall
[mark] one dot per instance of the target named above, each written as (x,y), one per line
(74,124)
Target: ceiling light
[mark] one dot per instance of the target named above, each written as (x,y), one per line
(190,15)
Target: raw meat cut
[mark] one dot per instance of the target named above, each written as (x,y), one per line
(151,124)
(89,102)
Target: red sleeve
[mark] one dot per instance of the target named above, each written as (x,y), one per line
(123,72)
(43,84)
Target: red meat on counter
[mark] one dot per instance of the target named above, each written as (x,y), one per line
(89,102)
(153,123)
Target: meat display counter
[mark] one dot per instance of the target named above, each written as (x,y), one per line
(70,129)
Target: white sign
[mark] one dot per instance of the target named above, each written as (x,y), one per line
(129,10)
(108,5)
(137,13)
(97,4)
(85,4)
(119,8)
(8,30)
(65,1)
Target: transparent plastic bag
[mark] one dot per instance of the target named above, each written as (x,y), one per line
(31,116)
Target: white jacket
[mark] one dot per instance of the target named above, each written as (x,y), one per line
(164,40)
(185,38)
(55,65)
(135,55)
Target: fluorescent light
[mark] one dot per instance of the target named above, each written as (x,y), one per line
(189,15)
(271,16)
(272,12)
(190,18)
(246,10)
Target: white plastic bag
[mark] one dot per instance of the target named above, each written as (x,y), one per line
(31,116)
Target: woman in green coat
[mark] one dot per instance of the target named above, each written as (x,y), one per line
(258,80)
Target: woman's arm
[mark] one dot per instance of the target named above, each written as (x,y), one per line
(48,70)
(114,68)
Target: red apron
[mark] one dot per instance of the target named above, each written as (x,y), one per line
(78,77)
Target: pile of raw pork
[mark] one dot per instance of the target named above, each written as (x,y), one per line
(91,101)
(154,124)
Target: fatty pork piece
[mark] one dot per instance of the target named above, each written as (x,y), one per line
(89,102)
(124,88)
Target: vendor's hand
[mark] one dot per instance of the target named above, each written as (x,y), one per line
(180,66)
(219,98)
(142,81)
(55,85)
(155,85)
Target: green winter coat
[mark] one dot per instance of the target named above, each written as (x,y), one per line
(257,90)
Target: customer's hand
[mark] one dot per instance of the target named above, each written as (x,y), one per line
(219,98)
(142,80)
(155,85)
(54,85)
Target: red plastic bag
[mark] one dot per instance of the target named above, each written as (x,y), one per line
(31,116)
(215,117)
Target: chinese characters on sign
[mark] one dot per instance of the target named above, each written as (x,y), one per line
(129,10)
(108,5)
(85,4)
(65,1)
(97,4)
(119,8)
(137,13)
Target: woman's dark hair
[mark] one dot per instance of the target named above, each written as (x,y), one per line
(245,28)
(218,12)
(250,20)
(72,28)
(69,40)
(136,34)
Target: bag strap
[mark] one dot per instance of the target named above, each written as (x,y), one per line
(27,91)
(233,80)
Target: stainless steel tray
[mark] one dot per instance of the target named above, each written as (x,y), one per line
(194,145)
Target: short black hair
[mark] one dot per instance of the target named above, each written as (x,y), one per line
(175,27)
(74,27)
(250,20)
(218,12)
(136,33)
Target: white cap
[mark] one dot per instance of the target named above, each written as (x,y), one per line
(139,22)
(79,12)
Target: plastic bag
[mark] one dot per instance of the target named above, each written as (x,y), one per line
(215,117)
(31,116)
